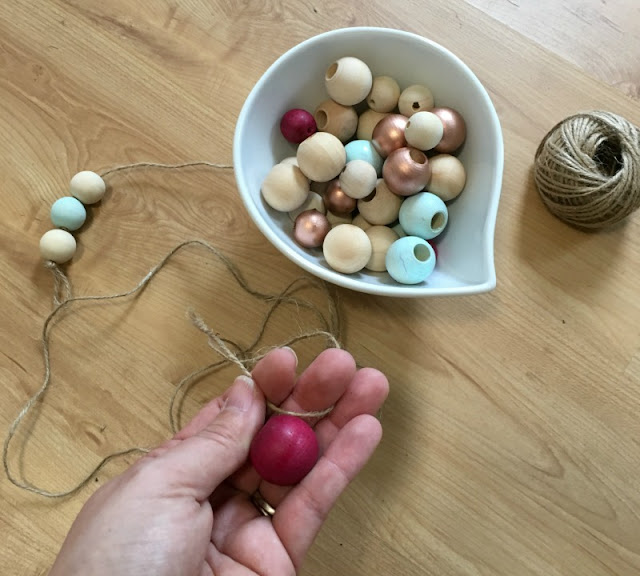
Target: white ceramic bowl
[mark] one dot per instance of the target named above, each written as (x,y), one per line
(296,80)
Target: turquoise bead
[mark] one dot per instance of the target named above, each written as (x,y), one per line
(410,260)
(423,215)
(363,150)
(68,213)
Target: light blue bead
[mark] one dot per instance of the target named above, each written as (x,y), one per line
(363,150)
(410,260)
(423,215)
(68,213)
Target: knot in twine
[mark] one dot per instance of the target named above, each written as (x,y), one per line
(587,169)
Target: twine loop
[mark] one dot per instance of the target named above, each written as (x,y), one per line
(231,352)
(587,169)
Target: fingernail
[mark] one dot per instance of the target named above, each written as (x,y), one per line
(241,394)
(292,352)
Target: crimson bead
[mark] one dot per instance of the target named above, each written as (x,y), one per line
(284,450)
(297,125)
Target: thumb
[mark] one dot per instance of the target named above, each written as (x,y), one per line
(203,461)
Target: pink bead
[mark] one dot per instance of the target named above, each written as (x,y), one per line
(297,125)
(435,249)
(284,450)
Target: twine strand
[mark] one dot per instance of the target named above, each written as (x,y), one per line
(244,358)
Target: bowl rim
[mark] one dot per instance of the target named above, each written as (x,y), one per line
(398,291)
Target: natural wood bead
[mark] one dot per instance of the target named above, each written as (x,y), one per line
(358,179)
(321,157)
(347,248)
(384,94)
(360,222)
(381,237)
(336,119)
(424,130)
(348,81)
(337,219)
(285,188)
(313,202)
(367,121)
(382,206)
(58,246)
(448,176)
(415,98)
(87,186)
(290,160)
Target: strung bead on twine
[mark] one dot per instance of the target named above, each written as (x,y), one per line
(587,169)
(244,358)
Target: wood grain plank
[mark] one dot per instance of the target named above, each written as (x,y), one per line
(511,432)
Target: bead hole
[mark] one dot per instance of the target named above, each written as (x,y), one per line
(408,124)
(417,156)
(421,252)
(322,119)
(415,105)
(437,221)
(331,72)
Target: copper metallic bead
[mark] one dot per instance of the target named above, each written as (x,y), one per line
(310,228)
(388,135)
(455,130)
(406,171)
(337,201)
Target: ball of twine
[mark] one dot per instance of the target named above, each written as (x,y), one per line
(587,169)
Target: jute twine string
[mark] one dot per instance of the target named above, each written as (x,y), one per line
(231,352)
(587,169)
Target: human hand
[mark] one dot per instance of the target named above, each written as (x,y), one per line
(185,508)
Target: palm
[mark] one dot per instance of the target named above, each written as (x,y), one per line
(245,542)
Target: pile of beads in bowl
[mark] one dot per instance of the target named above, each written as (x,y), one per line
(370,189)
(69,214)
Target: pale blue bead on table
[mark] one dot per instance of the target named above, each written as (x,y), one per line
(424,215)
(68,213)
(410,260)
(363,150)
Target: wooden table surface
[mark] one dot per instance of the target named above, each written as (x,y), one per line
(512,431)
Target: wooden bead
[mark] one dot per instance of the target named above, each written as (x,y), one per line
(58,246)
(381,238)
(314,201)
(388,135)
(310,228)
(290,160)
(455,130)
(360,222)
(358,179)
(68,213)
(410,260)
(337,219)
(367,121)
(347,248)
(424,130)
(88,187)
(406,171)
(336,119)
(337,201)
(348,81)
(415,98)
(382,206)
(423,215)
(384,94)
(448,177)
(364,150)
(285,188)
(321,157)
